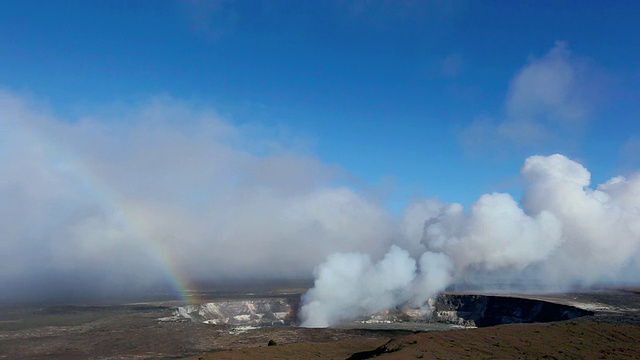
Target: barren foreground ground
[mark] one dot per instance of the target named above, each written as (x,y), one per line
(563,340)
(133,331)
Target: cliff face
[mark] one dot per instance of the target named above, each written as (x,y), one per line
(256,312)
(464,310)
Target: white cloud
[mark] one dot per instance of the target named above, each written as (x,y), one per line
(106,203)
(548,88)
(631,150)
(548,104)
(452,65)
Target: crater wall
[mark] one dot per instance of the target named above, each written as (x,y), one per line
(458,309)
(488,310)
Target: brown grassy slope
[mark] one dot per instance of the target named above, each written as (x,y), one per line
(563,340)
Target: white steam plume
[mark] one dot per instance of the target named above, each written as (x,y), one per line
(564,234)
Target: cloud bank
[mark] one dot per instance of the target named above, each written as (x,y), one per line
(563,235)
(161,192)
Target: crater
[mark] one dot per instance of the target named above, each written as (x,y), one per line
(444,312)
(490,310)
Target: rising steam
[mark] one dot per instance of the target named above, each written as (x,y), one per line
(563,234)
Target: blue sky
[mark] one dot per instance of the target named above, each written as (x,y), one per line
(410,98)
(165,142)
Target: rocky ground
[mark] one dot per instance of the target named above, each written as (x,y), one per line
(134,332)
(561,340)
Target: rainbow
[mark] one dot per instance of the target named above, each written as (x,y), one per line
(113,203)
(182,287)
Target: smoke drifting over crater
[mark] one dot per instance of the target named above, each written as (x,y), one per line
(168,192)
(563,235)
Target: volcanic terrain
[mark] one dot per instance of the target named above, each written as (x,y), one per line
(602,323)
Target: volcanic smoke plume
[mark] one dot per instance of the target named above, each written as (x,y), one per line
(563,235)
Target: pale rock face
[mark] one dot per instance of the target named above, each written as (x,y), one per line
(265,312)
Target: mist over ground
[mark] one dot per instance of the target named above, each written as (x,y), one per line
(105,205)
